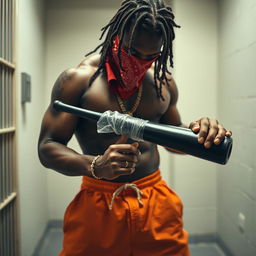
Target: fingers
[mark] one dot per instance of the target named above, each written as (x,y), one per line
(203,131)
(122,158)
(135,144)
(221,135)
(119,157)
(125,165)
(194,126)
(228,133)
(126,148)
(123,162)
(123,168)
(215,134)
(209,131)
(122,147)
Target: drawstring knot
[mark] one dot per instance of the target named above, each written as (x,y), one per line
(124,187)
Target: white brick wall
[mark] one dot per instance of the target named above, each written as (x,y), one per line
(237,109)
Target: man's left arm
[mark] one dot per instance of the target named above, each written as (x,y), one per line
(209,130)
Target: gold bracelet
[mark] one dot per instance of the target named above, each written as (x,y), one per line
(93,165)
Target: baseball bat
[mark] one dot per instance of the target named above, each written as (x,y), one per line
(178,138)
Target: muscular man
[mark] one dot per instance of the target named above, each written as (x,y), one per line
(123,207)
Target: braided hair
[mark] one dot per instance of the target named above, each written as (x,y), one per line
(132,14)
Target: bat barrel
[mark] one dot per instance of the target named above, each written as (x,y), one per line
(185,140)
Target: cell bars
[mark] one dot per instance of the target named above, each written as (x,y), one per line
(8,204)
(7,197)
(6,30)
(6,98)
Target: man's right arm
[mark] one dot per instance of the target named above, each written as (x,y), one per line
(58,127)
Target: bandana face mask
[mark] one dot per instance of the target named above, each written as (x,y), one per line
(132,74)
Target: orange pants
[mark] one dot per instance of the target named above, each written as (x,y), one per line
(145,220)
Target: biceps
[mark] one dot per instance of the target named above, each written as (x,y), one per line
(58,127)
(171,117)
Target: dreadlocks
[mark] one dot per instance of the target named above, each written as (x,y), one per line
(132,14)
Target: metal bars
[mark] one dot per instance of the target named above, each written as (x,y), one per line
(6,29)
(8,201)
(6,99)
(7,232)
(6,166)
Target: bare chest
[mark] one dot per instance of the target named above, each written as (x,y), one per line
(99,98)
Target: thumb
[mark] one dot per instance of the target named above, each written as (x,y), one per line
(135,144)
(122,139)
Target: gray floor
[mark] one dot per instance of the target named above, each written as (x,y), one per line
(52,246)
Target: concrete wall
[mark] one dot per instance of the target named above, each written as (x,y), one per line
(195,71)
(237,107)
(30,46)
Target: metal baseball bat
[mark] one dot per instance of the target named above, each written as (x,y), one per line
(181,139)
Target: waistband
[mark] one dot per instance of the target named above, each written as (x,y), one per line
(107,186)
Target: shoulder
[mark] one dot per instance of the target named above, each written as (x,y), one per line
(172,116)
(173,89)
(170,86)
(73,82)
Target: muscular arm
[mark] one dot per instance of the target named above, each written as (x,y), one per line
(58,127)
(172,116)
(209,130)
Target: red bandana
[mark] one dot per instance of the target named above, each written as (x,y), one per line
(125,82)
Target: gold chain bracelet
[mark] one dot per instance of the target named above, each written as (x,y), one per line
(93,165)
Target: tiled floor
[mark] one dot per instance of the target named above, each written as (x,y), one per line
(52,246)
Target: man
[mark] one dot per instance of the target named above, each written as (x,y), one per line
(123,207)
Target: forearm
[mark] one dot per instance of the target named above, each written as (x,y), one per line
(56,156)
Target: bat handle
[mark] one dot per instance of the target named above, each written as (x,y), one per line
(88,114)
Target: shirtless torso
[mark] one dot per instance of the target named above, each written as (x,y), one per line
(150,108)
(72,88)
